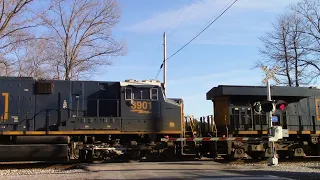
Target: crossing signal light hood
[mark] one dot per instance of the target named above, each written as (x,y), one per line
(281,105)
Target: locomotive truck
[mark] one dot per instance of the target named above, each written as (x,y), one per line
(57,120)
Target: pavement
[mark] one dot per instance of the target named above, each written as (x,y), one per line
(195,170)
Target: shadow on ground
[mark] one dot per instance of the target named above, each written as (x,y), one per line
(292,175)
(189,173)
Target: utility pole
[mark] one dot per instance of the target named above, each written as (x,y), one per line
(165,62)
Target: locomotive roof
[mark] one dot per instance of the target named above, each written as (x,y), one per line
(128,82)
(280,91)
(140,83)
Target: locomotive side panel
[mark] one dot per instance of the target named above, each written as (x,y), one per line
(103,99)
(56,96)
(140,108)
(299,115)
(221,112)
(172,117)
(16,103)
(314,104)
(81,103)
(93,106)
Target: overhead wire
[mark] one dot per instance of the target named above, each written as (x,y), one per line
(184,19)
(178,15)
(207,26)
(154,54)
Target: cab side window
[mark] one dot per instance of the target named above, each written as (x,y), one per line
(128,93)
(139,93)
(154,94)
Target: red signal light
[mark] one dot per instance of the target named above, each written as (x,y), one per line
(282,107)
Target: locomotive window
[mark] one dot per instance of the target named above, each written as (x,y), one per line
(128,93)
(141,93)
(154,94)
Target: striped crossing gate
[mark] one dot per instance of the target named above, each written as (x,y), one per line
(213,139)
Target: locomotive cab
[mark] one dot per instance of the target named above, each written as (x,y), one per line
(144,107)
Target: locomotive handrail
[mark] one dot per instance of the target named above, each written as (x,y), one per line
(295,122)
(48,110)
(35,115)
(24,118)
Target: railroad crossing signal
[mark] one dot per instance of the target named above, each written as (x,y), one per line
(270,74)
(269,106)
(264,106)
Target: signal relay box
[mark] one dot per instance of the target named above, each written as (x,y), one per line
(277,133)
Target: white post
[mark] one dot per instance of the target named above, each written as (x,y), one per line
(164,62)
(273,160)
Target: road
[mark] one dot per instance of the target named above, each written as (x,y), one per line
(195,170)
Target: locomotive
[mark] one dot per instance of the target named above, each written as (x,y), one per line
(57,120)
(240,132)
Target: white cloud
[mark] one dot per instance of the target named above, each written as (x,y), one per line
(203,11)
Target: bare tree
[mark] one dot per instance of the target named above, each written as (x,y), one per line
(275,48)
(309,10)
(285,46)
(15,19)
(82,35)
(18,25)
(33,59)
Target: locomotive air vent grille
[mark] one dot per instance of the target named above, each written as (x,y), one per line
(44,88)
(131,80)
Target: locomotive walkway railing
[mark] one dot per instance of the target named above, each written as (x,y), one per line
(45,114)
(235,123)
(301,122)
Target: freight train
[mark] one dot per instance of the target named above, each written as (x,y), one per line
(57,120)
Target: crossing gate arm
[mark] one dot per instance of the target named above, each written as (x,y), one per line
(213,139)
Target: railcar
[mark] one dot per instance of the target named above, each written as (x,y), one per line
(57,120)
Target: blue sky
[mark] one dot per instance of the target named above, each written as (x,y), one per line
(222,55)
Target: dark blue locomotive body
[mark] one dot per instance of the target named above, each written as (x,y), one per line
(51,112)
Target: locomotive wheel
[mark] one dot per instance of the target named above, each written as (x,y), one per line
(256,155)
(89,157)
(168,155)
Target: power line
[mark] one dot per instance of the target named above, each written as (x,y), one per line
(178,15)
(154,54)
(184,19)
(196,36)
(201,31)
